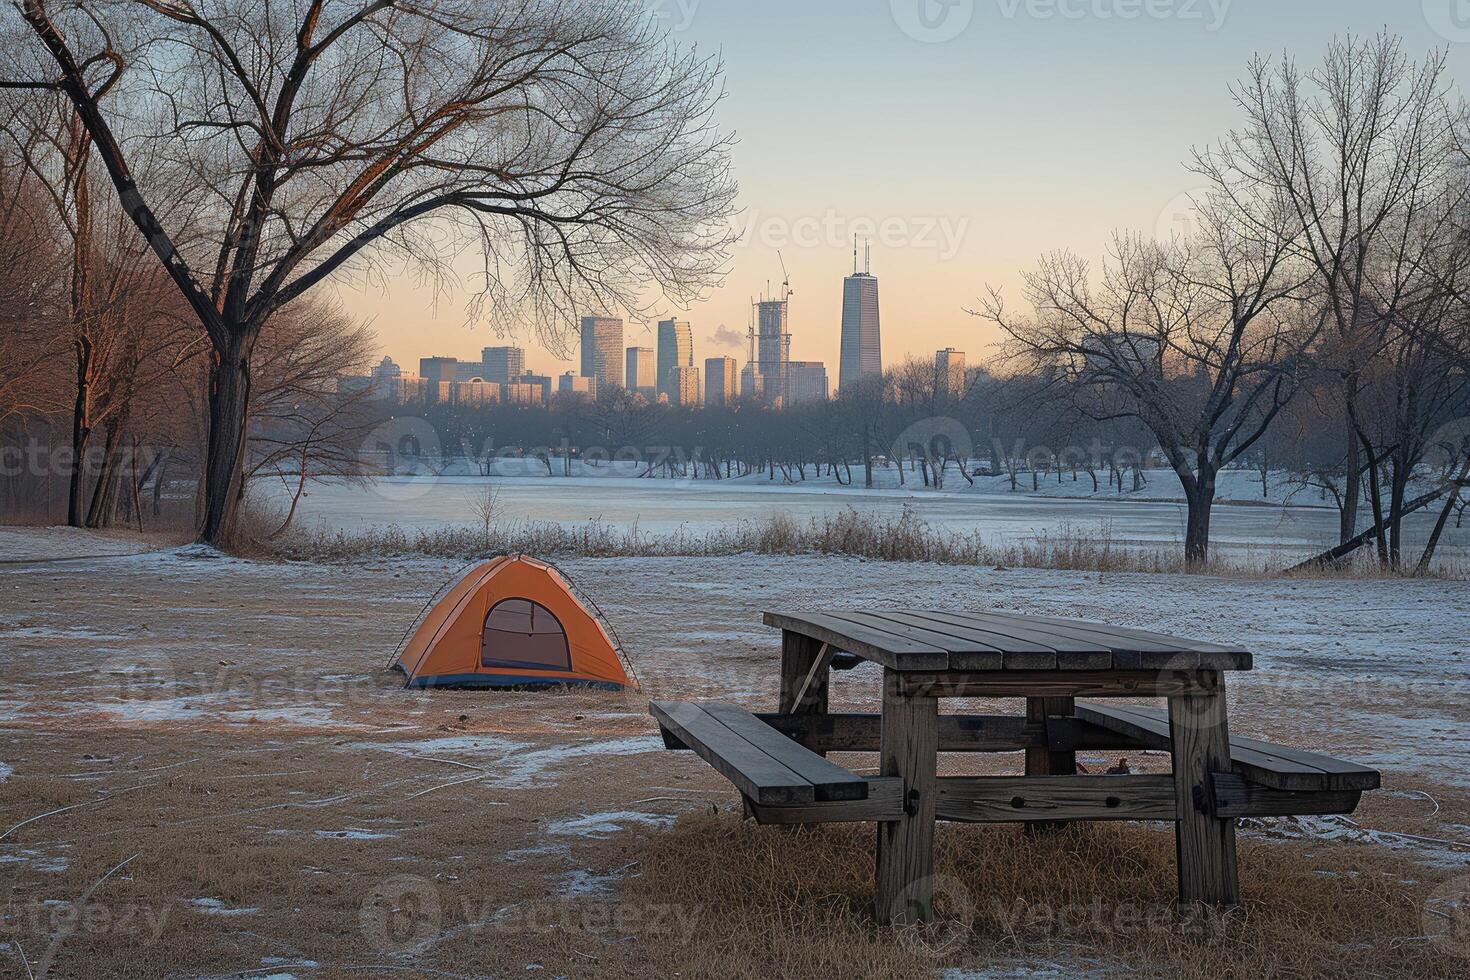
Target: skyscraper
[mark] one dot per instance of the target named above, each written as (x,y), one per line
(602,351)
(503,363)
(772,346)
(675,349)
(949,373)
(439,374)
(640,377)
(862,352)
(806,381)
(684,386)
(577,385)
(721,381)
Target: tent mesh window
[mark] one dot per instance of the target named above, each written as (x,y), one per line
(522,633)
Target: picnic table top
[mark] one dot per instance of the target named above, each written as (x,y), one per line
(928,640)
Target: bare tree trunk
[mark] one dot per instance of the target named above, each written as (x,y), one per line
(158,482)
(229,404)
(867,457)
(81,434)
(1375,492)
(1397,490)
(104,494)
(1200,499)
(1444,517)
(1353,487)
(1333,555)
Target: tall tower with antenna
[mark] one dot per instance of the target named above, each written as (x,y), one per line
(862,346)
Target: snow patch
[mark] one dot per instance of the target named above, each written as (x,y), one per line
(37,861)
(1443,853)
(598,826)
(582,883)
(5,772)
(213,906)
(355,833)
(540,850)
(506,763)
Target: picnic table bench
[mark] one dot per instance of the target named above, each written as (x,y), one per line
(778,760)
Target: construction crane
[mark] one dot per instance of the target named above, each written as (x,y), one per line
(786,290)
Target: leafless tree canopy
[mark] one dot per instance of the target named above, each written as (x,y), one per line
(566,139)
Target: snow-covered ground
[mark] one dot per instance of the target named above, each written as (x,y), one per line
(242,706)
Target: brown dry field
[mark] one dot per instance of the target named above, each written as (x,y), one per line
(212,776)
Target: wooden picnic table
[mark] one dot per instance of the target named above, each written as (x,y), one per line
(1050,662)
(777,760)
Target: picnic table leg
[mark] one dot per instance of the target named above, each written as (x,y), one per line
(1041,761)
(1200,735)
(798,655)
(804,676)
(909,747)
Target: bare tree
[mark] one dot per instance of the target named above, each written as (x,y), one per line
(567,141)
(1196,339)
(303,425)
(1363,150)
(30,303)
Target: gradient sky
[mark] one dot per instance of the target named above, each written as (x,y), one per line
(1040,124)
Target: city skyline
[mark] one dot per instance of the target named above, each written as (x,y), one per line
(984,194)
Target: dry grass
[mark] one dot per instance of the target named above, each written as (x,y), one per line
(784,903)
(849,533)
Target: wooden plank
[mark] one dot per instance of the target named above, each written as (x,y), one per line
(829,781)
(755,773)
(883,802)
(1122,637)
(1274,766)
(1139,649)
(1054,799)
(905,862)
(968,649)
(1070,652)
(888,649)
(1236,796)
(1059,684)
(860,732)
(1204,842)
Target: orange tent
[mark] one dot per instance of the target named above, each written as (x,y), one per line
(511,622)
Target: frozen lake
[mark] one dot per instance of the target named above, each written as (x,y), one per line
(1273,533)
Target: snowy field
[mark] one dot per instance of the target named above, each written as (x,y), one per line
(1289,525)
(226,729)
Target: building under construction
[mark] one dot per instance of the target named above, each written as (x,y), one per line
(765,374)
